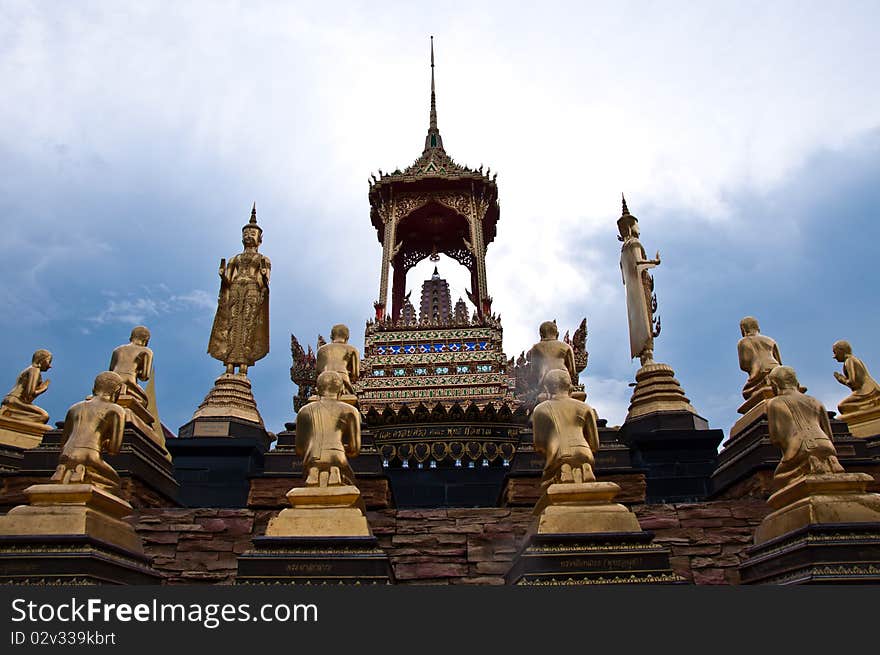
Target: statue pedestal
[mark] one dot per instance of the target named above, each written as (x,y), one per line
(668,439)
(824,528)
(746,464)
(323,538)
(21,434)
(138,416)
(863,424)
(215,458)
(17,436)
(222,447)
(585,538)
(72,534)
(144,467)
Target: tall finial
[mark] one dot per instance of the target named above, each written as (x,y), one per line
(253,220)
(625,211)
(433,139)
(433,93)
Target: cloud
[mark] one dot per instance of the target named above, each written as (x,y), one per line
(158,301)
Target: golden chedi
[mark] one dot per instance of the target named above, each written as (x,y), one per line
(343,359)
(328,432)
(813,487)
(656,388)
(22,423)
(240,333)
(861,409)
(566,433)
(551,354)
(83,495)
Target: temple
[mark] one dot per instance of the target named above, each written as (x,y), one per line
(428,454)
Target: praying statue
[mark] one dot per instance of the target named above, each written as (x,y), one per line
(551,354)
(799,425)
(641,303)
(340,357)
(865,390)
(133,361)
(93,427)
(565,432)
(758,355)
(240,334)
(328,431)
(19,402)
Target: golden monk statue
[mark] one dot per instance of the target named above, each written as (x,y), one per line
(240,335)
(550,354)
(565,431)
(92,427)
(758,355)
(133,361)
(799,425)
(641,303)
(328,431)
(19,402)
(340,357)
(865,390)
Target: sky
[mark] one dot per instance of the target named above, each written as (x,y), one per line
(134,138)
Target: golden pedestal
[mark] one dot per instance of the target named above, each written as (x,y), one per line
(657,390)
(322,512)
(323,538)
(816,499)
(825,529)
(231,396)
(585,538)
(72,533)
(583,508)
(21,434)
(140,417)
(863,424)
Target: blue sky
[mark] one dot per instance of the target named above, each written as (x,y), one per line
(135,137)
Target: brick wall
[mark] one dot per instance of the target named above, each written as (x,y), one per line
(449,546)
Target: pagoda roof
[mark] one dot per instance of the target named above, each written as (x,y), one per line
(433,171)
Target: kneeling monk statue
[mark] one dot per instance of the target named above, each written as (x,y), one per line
(92,427)
(328,431)
(565,431)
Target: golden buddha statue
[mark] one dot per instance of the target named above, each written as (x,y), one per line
(133,361)
(93,427)
(641,304)
(865,394)
(565,432)
(18,404)
(799,425)
(328,431)
(340,357)
(240,334)
(758,355)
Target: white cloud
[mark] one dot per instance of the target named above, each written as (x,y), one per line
(158,302)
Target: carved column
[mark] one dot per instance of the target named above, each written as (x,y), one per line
(387,215)
(478,211)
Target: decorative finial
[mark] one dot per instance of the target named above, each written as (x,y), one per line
(433,140)
(253,220)
(625,208)
(433,93)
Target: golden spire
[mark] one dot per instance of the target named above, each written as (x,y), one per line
(625,211)
(433,140)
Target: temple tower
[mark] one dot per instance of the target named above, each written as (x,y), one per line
(433,206)
(436,299)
